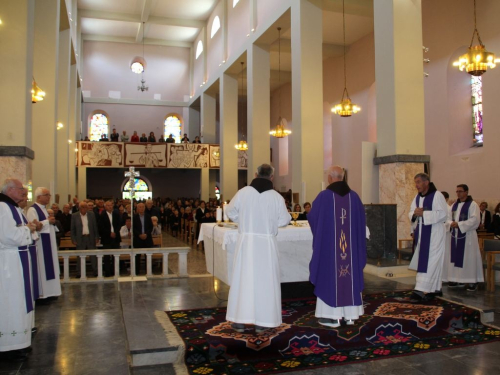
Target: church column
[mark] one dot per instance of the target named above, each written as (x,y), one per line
(45,113)
(400,103)
(207,135)
(63,135)
(82,183)
(16,54)
(72,133)
(228,136)
(307,100)
(259,108)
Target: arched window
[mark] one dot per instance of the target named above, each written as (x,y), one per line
(199,49)
(477,109)
(98,126)
(142,190)
(235,2)
(173,125)
(215,26)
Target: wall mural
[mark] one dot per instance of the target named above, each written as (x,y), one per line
(152,155)
(99,154)
(147,155)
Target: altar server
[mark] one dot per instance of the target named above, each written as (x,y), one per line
(48,261)
(255,293)
(465,265)
(428,213)
(16,294)
(338,223)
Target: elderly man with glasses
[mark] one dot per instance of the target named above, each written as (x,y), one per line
(49,283)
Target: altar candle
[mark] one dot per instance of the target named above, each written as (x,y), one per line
(219,215)
(226,218)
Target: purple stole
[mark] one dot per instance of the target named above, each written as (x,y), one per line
(458,244)
(425,238)
(23,255)
(343,250)
(47,247)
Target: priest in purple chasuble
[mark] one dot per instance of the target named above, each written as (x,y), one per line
(428,214)
(48,262)
(338,223)
(16,290)
(465,265)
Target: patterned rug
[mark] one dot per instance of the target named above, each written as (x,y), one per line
(392,326)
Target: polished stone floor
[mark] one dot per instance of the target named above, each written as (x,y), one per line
(83,331)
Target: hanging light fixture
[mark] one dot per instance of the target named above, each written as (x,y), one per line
(345,108)
(37,94)
(280,131)
(138,63)
(477,60)
(242,145)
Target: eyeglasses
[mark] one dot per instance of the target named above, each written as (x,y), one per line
(45,195)
(460,191)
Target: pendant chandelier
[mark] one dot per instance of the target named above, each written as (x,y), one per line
(138,63)
(477,60)
(280,131)
(242,145)
(345,108)
(37,94)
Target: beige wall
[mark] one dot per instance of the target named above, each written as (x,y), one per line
(447,29)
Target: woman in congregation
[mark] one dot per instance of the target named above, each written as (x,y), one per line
(152,137)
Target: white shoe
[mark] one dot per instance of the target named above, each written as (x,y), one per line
(329,322)
(350,322)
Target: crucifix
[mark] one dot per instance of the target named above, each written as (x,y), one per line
(132,174)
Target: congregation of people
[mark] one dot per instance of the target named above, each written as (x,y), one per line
(143,138)
(445,246)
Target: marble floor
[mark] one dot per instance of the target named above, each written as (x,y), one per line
(83,331)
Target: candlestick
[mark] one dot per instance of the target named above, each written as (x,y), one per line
(226,218)
(218,215)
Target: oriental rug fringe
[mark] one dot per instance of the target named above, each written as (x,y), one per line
(392,326)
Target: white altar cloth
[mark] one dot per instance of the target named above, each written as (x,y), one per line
(294,245)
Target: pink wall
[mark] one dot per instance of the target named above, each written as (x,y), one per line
(106,66)
(447,29)
(238,25)
(215,45)
(142,118)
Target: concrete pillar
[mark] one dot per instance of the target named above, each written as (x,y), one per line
(16,54)
(82,183)
(45,70)
(400,104)
(194,123)
(63,135)
(259,108)
(398,64)
(72,132)
(307,100)
(207,135)
(228,136)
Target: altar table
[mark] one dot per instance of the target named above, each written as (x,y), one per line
(294,246)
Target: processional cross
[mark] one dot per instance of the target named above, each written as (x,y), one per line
(132,174)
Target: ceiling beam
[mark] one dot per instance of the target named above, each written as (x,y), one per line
(126,17)
(125,39)
(146,10)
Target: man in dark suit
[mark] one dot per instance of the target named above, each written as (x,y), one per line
(485,217)
(84,232)
(65,219)
(109,229)
(143,226)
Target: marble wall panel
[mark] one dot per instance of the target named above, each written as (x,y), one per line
(396,186)
(16,167)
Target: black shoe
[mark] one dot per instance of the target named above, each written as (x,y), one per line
(19,355)
(42,301)
(471,287)
(34,330)
(238,327)
(452,284)
(438,293)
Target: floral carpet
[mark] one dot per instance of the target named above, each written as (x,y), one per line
(392,326)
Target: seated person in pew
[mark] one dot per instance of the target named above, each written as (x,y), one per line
(156,227)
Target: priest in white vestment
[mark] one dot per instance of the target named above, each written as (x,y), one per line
(16,303)
(255,293)
(465,265)
(48,260)
(447,242)
(428,213)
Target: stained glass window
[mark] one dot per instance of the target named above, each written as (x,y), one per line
(98,125)
(477,108)
(173,126)
(140,185)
